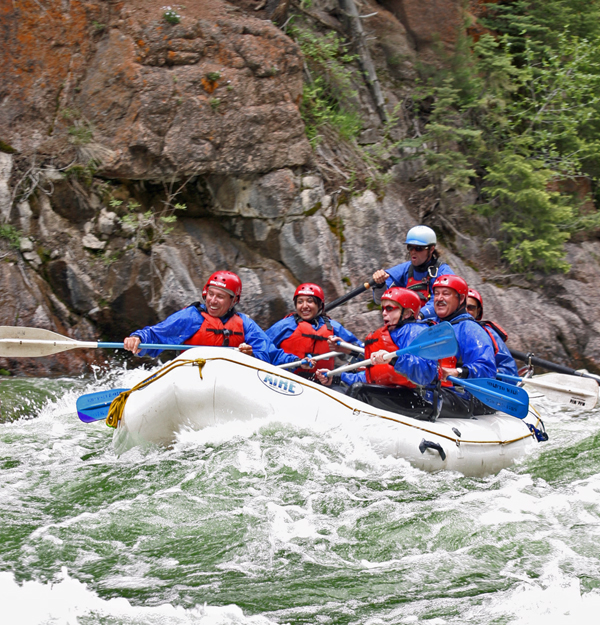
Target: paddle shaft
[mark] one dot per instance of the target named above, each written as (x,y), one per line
(551,366)
(72,344)
(354,348)
(297,363)
(342,300)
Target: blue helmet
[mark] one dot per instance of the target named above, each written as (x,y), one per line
(421,235)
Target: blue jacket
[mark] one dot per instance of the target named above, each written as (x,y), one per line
(284,328)
(399,277)
(475,349)
(183,324)
(505,363)
(415,368)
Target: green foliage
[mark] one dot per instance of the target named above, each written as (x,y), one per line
(148,227)
(516,117)
(10,234)
(213,76)
(215,103)
(327,96)
(171,16)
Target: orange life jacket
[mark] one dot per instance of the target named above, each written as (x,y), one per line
(214,332)
(384,375)
(306,340)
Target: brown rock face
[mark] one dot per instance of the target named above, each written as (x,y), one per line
(116,83)
(428,21)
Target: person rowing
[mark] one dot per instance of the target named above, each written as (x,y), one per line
(418,273)
(475,357)
(399,309)
(309,331)
(505,363)
(215,322)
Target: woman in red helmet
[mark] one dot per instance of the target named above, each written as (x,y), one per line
(400,310)
(505,363)
(308,331)
(215,322)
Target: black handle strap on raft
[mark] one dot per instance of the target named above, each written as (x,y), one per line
(431,445)
(551,366)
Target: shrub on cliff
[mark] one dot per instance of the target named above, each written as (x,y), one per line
(515,118)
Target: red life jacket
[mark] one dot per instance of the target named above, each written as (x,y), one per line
(496,327)
(422,286)
(214,332)
(385,375)
(306,340)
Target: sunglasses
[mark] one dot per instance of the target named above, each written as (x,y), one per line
(389,309)
(416,248)
(472,307)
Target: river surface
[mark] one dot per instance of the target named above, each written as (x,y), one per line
(267,523)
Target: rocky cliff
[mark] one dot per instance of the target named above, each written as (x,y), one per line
(112,119)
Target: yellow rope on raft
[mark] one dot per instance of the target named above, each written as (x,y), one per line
(115,412)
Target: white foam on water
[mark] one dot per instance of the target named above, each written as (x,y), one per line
(67,601)
(553,599)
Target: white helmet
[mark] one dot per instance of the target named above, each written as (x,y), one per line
(421,235)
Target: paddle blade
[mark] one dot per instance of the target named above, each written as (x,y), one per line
(436,342)
(95,406)
(496,394)
(18,342)
(566,389)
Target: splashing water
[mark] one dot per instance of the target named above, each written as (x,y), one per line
(262,522)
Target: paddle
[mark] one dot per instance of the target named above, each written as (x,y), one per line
(551,366)
(342,300)
(95,406)
(434,343)
(496,394)
(354,348)
(297,363)
(17,342)
(561,388)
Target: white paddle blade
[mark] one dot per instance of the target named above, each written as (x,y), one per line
(566,389)
(17,342)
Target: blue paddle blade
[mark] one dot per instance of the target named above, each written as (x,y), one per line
(436,342)
(95,406)
(507,398)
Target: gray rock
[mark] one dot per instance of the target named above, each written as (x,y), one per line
(26,245)
(90,242)
(6,161)
(106,222)
(311,252)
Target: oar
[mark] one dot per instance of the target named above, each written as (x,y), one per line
(354,348)
(94,406)
(551,366)
(17,342)
(497,394)
(561,388)
(357,291)
(297,363)
(434,343)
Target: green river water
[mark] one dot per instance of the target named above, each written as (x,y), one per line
(262,522)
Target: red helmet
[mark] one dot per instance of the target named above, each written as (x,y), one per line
(226,280)
(475,295)
(452,282)
(310,289)
(405,297)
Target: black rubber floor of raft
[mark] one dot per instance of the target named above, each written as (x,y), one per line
(410,403)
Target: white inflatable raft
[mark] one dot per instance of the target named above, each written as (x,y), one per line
(234,387)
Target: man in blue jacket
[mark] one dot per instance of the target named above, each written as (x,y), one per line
(216,322)
(505,363)
(417,274)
